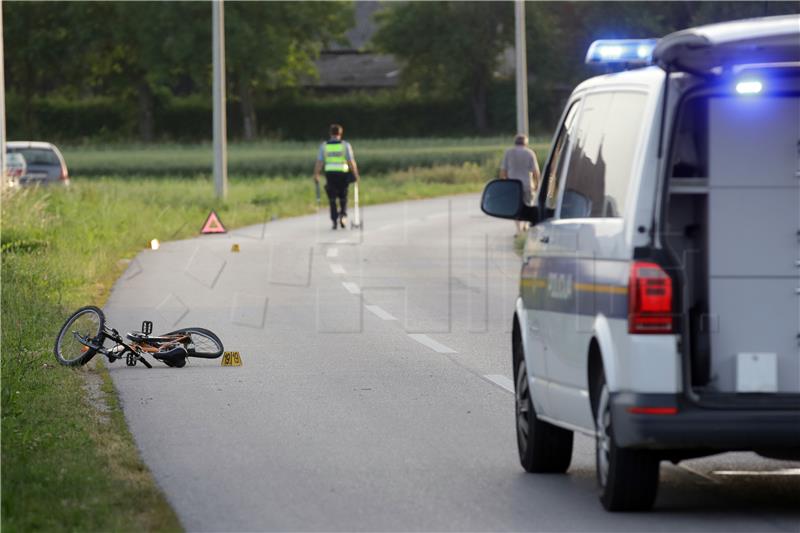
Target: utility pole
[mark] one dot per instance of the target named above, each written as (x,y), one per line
(521,67)
(2,102)
(220,120)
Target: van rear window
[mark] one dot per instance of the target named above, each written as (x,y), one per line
(690,147)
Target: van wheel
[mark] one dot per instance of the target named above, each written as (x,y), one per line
(543,447)
(627,479)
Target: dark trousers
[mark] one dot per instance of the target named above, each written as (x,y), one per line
(336,186)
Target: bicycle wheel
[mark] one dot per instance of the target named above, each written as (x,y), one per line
(201,343)
(86,322)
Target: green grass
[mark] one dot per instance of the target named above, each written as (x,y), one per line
(65,467)
(282,158)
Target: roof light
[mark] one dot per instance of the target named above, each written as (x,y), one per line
(749,87)
(610,52)
(630,51)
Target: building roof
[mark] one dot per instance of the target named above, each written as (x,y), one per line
(351,65)
(356,71)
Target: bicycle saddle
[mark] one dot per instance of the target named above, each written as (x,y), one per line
(175,357)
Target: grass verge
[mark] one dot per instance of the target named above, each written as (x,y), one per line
(66,465)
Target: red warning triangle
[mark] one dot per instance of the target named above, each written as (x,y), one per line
(213,224)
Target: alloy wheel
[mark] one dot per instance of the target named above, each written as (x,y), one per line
(523,405)
(603,436)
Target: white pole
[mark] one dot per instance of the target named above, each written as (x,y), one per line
(521,67)
(2,102)
(220,120)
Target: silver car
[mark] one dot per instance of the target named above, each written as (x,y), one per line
(45,163)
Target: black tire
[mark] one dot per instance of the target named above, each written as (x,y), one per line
(203,343)
(543,447)
(88,322)
(627,479)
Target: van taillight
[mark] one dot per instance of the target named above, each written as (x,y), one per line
(649,299)
(64,175)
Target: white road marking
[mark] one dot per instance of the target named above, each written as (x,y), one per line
(336,268)
(430,343)
(385,315)
(781,472)
(332,252)
(342,241)
(351,287)
(501,381)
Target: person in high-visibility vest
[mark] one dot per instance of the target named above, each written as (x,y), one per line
(336,158)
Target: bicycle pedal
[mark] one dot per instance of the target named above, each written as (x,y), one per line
(147,327)
(130,359)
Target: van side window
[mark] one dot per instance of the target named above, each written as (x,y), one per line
(690,145)
(556,165)
(602,157)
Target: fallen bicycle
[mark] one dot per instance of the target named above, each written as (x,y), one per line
(85,333)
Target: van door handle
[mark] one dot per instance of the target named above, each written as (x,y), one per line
(544,238)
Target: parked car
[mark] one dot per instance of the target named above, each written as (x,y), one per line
(15,168)
(45,162)
(659,296)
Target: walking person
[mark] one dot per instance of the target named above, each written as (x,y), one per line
(519,163)
(336,158)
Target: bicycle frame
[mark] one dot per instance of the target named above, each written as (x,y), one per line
(133,352)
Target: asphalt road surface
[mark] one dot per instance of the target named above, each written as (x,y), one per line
(375,390)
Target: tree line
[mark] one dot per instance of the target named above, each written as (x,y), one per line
(137,53)
(456,47)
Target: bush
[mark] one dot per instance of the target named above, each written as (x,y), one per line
(292,116)
(57,118)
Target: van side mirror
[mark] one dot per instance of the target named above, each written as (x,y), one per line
(503,199)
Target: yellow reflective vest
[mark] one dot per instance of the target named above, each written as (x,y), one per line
(335,160)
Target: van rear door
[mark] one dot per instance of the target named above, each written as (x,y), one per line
(754,251)
(753,220)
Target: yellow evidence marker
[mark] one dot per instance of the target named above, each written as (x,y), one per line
(235,248)
(231,359)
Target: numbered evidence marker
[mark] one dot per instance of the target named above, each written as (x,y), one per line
(231,359)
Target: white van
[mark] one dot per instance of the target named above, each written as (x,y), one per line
(659,306)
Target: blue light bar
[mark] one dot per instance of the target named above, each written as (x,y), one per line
(628,51)
(749,87)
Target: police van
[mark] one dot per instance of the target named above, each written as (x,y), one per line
(659,305)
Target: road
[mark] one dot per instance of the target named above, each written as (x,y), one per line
(374,393)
